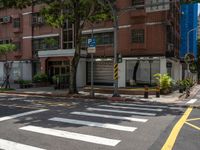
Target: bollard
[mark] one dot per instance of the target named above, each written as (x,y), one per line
(146,92)
(158,92)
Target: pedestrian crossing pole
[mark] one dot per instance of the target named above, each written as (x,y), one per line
(116,72)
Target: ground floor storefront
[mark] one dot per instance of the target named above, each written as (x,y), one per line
(132,71)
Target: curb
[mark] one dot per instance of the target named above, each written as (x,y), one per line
(177,102)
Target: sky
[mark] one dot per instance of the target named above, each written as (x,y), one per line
(198,8)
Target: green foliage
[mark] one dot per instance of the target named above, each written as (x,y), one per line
(189,1)
(186,83)
(164,81)
(20,81)
(6,89)
(40,77)
(6,48)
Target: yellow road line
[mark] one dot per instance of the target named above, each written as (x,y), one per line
(191,125)
(193,119)
(175,131)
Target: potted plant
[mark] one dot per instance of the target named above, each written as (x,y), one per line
(181,86)
(165,82)
(40,79)
(24,83)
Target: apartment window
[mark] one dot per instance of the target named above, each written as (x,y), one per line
(68,35)
(16,22)
(139,4)
(6,41)
(138,36)
(101,38)
(37,19)
(50,43)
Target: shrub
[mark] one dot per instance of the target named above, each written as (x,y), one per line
(186,83)
(40,77)
(164,81)
(20,81)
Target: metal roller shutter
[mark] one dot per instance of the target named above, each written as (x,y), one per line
(103,72)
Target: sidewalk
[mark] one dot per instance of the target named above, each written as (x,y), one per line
(174,97)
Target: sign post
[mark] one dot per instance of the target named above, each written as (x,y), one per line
(91,50)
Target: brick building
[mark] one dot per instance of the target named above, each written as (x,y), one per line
(148,39)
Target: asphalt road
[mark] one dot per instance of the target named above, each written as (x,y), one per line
(33,123)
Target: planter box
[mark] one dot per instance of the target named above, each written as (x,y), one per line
(23,86)
(42,84)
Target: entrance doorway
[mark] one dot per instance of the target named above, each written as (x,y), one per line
(59,70)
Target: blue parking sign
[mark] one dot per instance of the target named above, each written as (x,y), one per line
(92,42)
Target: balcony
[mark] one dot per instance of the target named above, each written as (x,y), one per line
(138,4)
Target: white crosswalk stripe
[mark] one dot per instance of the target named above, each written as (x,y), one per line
(134,108)
(120,111)
(139,105)
(22,114)
(72,135)
(16,98)
(95,124)
(109,116)
(191,101)
(9,145)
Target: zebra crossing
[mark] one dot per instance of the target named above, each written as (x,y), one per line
(131,112)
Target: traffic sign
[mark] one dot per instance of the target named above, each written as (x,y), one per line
(92,42)
(91,45)
(189,58)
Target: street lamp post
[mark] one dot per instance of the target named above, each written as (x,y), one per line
(188,39)
(188,46)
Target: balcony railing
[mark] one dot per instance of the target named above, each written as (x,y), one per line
(139,4)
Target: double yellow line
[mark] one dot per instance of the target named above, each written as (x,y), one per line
(175,131)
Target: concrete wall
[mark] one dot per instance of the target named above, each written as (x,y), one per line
(21,70)
(81,73)
(122,74)
(1,71)
(163,63)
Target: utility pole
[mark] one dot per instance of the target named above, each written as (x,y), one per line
(115,13)
(115,20)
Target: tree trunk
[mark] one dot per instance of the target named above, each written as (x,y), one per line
(6,82)
(77,45)
(73,71)
(135,71)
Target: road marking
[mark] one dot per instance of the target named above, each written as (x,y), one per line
(193,119)
(120,111)
(140,105)
(16,98)
(17,106)
(175,131)
(191,101)
(191,125)
(21,114)
(9,145)
(134,108)
(94,124)
(72,135)
(109,116)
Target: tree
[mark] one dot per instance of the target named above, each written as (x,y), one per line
(5,49)
(77,12)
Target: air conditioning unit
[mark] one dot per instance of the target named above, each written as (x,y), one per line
(170,47)
(40,20)
(6,19)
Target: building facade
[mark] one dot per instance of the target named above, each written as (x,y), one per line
(189,26)
(148,40)
(189,32)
